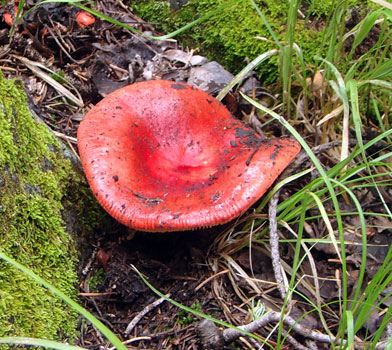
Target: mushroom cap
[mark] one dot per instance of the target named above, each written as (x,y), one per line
(164,156)
(84,19)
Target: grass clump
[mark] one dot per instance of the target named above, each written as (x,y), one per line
(339,92)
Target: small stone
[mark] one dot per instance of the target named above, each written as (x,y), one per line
(211,77)
(198,60)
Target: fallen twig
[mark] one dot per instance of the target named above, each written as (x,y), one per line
(144,312)
(212,337)
(274,242)
(295,343)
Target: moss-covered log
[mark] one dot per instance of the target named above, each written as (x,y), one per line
(43,205)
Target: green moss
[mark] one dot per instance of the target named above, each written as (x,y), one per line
(186,318)
(323,8)
(155,11)
(230,36)
(36,185)
(96,280)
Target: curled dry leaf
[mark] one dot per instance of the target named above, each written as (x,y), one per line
(102,259)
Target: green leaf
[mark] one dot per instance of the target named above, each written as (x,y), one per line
(365,27)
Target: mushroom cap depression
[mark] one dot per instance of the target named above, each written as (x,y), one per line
(164,156)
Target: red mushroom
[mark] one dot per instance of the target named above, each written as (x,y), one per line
(7,18)
(84,19)
(164,156)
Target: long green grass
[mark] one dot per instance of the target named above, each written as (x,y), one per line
(361,86)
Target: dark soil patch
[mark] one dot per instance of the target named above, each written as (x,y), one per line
(173,263)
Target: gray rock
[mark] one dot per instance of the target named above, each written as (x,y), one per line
(185,57)
(211,77)
(198,60)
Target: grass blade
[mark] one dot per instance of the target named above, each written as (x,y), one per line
(327,222)
(384,3)
(34,67)
(350,330)
(38,342)
(241,75)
